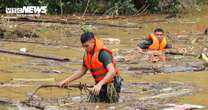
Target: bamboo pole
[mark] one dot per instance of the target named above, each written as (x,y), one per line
(34,55)
(34,80)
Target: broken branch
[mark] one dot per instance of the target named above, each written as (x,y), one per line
(34,55)
(79,86)
(178,53)
(24,79)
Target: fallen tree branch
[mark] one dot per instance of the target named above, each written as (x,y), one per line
(34,42)
(74,47)
(33,105)
(167,95)
(15,103)
(179,53)
(79,86)
(34,55)
(78,23)
(14,85)
(24,79)
(64,22)
(179,68)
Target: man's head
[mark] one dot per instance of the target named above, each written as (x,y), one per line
(88,41)
(159,33)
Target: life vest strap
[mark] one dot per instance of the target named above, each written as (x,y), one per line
(97,69)
(99,75)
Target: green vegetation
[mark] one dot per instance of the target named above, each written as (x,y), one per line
(105,7)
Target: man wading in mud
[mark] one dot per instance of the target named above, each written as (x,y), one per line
(156,41)
(99,60)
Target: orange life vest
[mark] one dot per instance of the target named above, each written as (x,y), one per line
(157,45)
(92,62)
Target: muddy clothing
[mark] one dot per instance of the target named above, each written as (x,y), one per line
(109,93)
(147,42)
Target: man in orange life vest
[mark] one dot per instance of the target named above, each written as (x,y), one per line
(99,60)
(155,41)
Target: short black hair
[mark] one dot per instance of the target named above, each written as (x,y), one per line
(159,30)
(86,37)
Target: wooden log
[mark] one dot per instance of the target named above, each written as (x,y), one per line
(79,86)
(15,85)
(33,105)
(36,42)
(34,80)
(79,22)
(178,53)
(65,22)
(34,55)
(68,86)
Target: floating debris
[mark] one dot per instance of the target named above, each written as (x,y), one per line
(204,57)
(178,69)
(170,69)
(17,33)
(111,41)
(76,99)
(183,107)
(23,50)
(52,71)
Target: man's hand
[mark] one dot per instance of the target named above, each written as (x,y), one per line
(73,77)
(139,50)
(63,83)
(96,89)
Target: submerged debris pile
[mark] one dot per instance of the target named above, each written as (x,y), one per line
(138,95)
(155,95)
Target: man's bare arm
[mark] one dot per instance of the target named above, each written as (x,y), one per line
(73,77)
(111,73)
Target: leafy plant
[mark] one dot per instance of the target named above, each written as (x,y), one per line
(163,6)
(121,7)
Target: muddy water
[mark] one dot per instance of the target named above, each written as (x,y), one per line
(63,40)
(134,96)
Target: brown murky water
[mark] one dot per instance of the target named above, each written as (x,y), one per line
(143,89)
